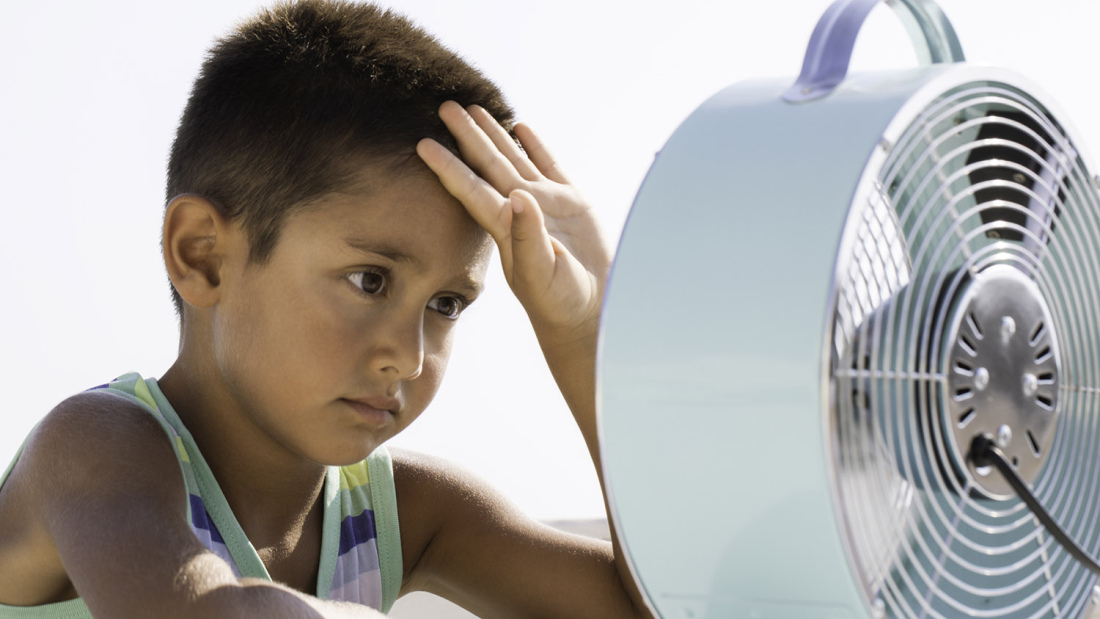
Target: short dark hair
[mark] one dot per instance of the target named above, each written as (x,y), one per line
(289,104)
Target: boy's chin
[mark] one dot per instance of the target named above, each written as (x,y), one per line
(348,457)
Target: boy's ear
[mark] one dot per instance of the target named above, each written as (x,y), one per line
(195,241)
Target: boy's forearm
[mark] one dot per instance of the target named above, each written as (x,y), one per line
(263,599)
(572,362)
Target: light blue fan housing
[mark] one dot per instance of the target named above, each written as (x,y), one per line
(743,481)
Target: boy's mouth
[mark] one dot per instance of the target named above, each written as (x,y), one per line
(376,410)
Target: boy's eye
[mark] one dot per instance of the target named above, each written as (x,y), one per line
(450,307)
(369,282)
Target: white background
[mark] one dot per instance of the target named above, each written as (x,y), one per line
(90,93)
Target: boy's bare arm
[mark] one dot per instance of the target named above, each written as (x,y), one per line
(101,476)
(556,261)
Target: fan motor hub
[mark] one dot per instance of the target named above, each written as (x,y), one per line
(1002,376)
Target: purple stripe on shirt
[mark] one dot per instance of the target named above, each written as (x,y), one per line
(355,530)
(201,520)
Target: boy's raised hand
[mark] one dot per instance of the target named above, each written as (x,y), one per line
(557,262)
(553,254)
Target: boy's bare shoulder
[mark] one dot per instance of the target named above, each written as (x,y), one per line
(92,454)
(423,477)
(465,541)
(433,493)
(435,498)
(92,433)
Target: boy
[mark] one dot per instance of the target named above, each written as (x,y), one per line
(321,237)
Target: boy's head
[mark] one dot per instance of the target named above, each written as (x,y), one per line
(297,100)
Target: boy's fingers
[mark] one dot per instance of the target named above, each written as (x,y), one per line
(504,142)
(478,149)
(540,155)
(532,251)
(482,201)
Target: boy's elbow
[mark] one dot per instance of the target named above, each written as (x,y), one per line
(250,598)
(245,599)
(206,587)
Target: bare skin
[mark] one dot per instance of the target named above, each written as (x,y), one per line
(354,312)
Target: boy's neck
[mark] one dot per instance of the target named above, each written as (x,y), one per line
(273,493)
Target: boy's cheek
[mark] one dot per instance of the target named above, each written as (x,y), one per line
(421,392)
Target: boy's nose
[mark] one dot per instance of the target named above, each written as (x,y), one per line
(399,346)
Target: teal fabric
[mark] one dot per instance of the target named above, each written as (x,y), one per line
(388,531)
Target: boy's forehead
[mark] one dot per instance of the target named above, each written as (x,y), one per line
(400,215)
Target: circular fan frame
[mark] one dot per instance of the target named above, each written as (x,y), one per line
(732,477)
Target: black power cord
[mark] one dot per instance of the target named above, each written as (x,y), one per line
(984,452)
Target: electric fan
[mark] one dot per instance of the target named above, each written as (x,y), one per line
(832,303)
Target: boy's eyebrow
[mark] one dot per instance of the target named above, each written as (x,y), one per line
(382,249)
(472,287)
(467,283)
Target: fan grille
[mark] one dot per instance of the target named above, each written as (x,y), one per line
(983,180)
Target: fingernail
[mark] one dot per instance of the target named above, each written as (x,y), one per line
(517,205)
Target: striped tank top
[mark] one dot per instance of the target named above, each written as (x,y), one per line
(360,542)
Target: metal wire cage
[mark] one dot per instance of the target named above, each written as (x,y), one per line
(966,303)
